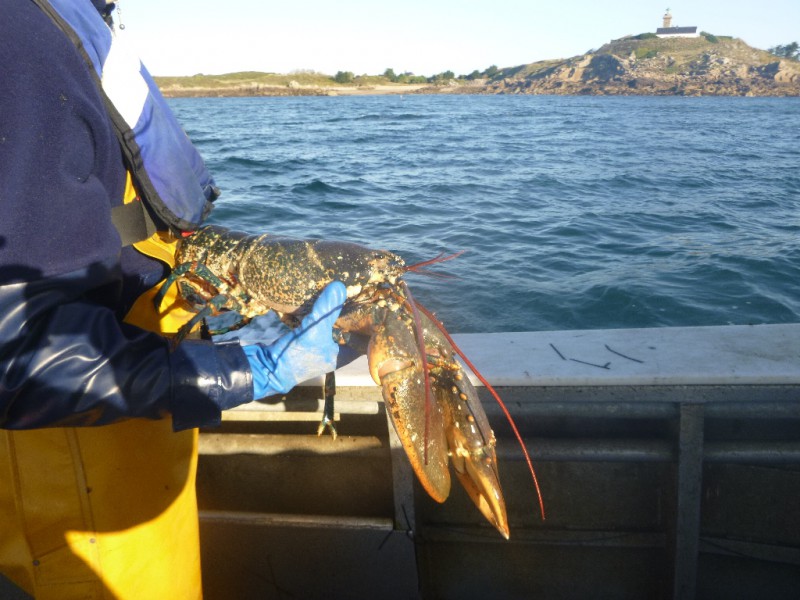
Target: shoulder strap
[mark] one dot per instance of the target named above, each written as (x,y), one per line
(133,222)
(169,172)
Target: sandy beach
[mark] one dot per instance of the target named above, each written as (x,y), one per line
(376,90)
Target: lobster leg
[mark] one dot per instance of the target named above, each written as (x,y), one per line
(213,307)
(329,391)
(194,267)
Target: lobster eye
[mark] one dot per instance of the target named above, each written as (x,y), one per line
(387,261)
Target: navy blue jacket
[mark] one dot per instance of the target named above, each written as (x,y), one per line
(65,282)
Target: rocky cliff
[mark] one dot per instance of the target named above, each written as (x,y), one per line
(656,66)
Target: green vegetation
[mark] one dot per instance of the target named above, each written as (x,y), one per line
(411,78)
(532,70)
(684,52)
(444,76)
(245,79)
(344,77)
(406,77)
(645,52)
(710,37)
(645,36)
(790,51)
(369,80)
(310,82)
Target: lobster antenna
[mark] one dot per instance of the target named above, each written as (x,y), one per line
(420,266)
(497,398)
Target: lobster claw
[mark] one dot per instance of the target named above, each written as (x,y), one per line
(472,448)
(450,426)
(477,473)
(396,366)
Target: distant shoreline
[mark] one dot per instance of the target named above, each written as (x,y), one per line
(634,66)
(301,90)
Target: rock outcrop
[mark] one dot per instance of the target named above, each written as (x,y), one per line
(656,66)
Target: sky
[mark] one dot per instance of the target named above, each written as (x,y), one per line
(425,37)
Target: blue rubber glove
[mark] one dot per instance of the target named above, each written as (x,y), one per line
(303,353)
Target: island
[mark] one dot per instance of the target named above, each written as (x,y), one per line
(672,60)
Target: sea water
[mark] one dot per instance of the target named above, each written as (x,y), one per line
(572,212)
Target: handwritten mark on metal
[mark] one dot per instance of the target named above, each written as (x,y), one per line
(606,366)
(557,352)
(641,362)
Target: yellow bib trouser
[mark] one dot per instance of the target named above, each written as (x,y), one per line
(103,512)
(100,513)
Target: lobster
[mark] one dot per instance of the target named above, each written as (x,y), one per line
(434,407)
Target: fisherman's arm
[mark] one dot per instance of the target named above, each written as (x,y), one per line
(65,357)
(66,361)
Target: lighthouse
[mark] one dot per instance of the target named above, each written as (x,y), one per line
(669,31)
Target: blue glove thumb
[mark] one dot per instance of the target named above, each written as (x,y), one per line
(303,353)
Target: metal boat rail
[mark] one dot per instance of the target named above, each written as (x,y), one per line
(669,460)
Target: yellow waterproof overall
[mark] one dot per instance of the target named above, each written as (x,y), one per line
(104,512)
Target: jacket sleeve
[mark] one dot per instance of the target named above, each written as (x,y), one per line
(67,361)
(65,356)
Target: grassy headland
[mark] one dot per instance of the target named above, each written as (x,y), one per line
(635,65)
